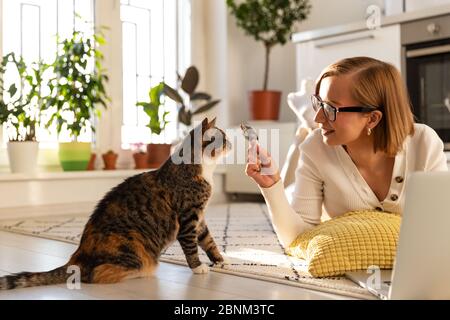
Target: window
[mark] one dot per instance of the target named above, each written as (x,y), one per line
(153,36)
(156,46)
(29,29)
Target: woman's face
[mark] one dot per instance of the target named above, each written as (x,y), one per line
(348,127)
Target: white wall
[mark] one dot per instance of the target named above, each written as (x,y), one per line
(231,63)
(246,72)
(108,14)
(209,53)
(246,56)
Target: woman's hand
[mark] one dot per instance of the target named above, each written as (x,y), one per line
(260,166)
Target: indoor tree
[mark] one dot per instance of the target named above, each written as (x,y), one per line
(77,92)
(270,22)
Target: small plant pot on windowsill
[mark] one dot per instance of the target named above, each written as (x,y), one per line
(140,160)
(91,164)
(158,153)
(23,156)
(74,156)
(110,160)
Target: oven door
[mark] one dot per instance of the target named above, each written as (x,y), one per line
(428,81)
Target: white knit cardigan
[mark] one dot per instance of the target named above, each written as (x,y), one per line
(326,179)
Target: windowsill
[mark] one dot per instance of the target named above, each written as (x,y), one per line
(57,192)
(65,175)
(6,176)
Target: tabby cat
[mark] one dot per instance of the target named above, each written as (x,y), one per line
(139,218)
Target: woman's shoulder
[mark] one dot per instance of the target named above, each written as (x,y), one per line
(425,150)
(424,134)
(424,144)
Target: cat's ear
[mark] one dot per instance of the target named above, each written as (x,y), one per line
(212,123)
(205,124)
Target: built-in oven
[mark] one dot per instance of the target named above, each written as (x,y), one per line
(426,70)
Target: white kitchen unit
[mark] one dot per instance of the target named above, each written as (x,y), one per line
(314,55)
(415,5)
(276,137)
(320,47)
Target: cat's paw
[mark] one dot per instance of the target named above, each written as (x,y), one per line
(223,260)
(203,268)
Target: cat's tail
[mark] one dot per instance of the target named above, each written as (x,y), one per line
(32,279)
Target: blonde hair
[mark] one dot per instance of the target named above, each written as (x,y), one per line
(378,84)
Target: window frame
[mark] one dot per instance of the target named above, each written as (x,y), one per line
(48,156)
(108,127)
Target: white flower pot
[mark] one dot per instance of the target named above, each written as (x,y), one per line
(23,156)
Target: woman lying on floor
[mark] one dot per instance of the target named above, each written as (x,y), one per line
(360,156)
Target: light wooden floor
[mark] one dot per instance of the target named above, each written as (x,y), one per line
(24,253)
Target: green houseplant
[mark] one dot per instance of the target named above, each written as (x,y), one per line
(270,22)
(189,104)
(20,110)
(77,91)
(157,153)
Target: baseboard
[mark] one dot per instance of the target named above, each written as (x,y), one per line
(67,192)
(47,210)
(70,208)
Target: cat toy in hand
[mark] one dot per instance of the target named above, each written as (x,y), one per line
(250,134)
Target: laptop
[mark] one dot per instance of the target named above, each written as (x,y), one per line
(422,265)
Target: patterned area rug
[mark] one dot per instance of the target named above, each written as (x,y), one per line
(242,231)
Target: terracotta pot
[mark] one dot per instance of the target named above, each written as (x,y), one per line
(264,105)
(158,153)
(110,159)
(91,164)
(140,160)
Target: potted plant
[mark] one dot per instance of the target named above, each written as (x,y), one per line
(157,152)
(77,90)
(270,22)
(110,159)
(140,156)
(91,163)
(189,101)
(189,104)
(20,109)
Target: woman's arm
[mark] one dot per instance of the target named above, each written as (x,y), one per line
(287,222)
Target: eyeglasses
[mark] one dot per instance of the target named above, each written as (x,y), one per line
(330,111)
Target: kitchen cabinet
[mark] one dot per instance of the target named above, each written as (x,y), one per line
(314,55)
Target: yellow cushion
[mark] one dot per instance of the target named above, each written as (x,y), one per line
(353,241)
